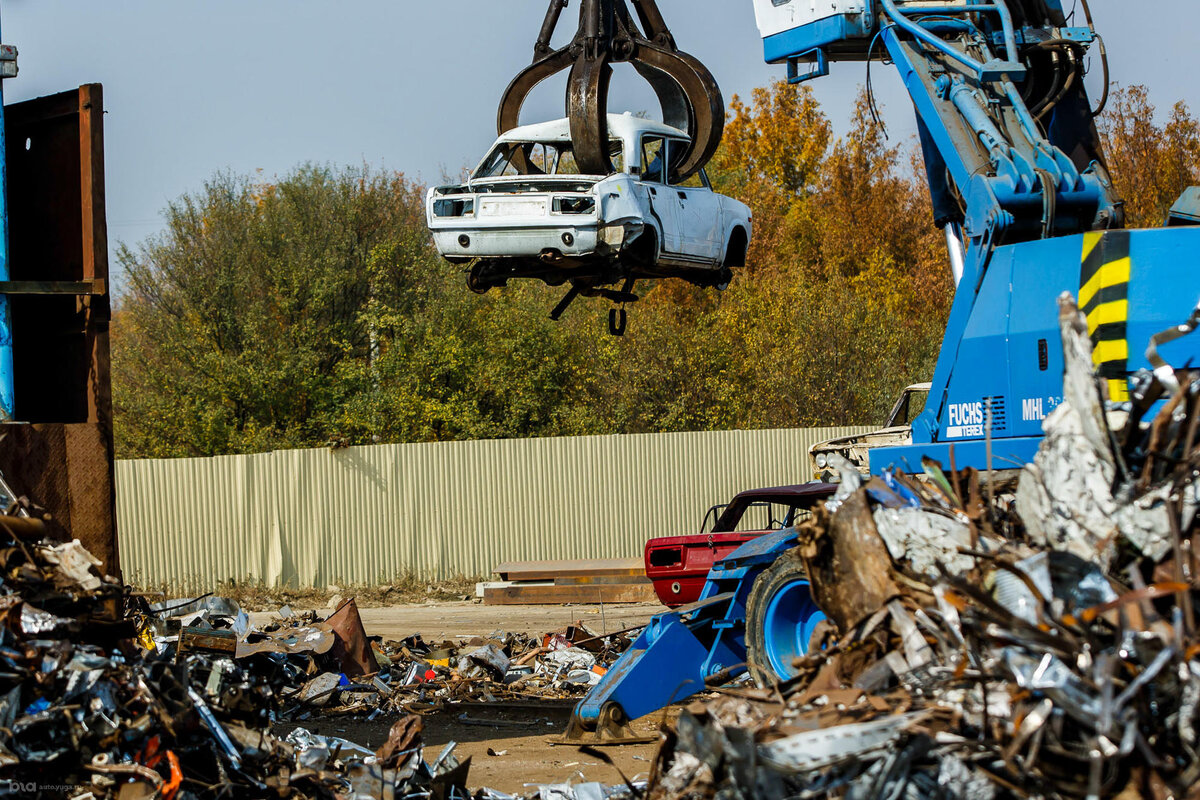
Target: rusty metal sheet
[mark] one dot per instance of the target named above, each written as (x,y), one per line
(67,470)
(206,640)
(571,568)
(316,639)
(850,568)
(55,162)
(350,646)
(598,594)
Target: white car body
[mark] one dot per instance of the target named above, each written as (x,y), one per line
(896,432)
(537,218)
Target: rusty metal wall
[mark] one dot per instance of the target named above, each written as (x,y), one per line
(365,514)
(60,313)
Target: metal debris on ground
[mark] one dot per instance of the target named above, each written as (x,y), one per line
(103,695)
(415,677)
(1040,642)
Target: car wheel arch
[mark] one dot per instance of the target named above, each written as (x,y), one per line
(736,247)
(647,248)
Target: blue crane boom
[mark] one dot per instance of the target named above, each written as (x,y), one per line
(1019,184)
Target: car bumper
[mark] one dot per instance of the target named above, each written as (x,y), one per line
(475,242)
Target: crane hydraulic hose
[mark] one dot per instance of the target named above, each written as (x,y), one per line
(1087,12)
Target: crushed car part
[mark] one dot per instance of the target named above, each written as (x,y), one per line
(896,430)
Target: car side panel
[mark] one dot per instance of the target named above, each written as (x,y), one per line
(665,212)
(736,215)
(701,221)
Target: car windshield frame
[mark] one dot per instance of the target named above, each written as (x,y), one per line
(506,157)
(797,499)
(677,148)
(902,412)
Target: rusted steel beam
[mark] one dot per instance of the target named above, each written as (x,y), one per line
(97,288)
(561,595)
(63,460)
(549,570)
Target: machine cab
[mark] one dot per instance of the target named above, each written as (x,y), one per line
(806,32)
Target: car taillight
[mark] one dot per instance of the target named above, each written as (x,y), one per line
(453,208)
(574,205)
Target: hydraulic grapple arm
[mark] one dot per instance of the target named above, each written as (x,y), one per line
(690,97)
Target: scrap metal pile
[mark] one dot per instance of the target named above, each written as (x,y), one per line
(88,709)
(1030,638)
(314,675)
(105,696)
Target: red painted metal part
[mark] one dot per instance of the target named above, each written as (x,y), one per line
(678,565)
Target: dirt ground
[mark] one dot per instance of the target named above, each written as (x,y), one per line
(438,621)
(519,735)
(520,740)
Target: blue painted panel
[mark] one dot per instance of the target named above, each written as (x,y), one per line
(998,354)
(1164,287)
(759,550)
(662,667)
(1042,271)
(821,33)
(980,376)
(1006,454)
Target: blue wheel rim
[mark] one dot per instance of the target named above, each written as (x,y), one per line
(788,624)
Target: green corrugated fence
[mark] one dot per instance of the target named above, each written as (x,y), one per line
(308,518)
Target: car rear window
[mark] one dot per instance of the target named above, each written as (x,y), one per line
(540,158)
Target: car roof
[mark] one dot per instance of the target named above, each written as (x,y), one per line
(804,495)
(784,493)
(620,126)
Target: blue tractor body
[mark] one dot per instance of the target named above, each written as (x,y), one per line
(679,652)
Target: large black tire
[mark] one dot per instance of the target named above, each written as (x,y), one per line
(780,585)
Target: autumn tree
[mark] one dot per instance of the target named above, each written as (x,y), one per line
(771,158)
(850,303)
(1151,164)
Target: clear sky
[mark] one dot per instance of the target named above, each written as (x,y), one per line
(197,86)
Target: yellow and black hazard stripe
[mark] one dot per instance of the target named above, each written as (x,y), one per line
(1104,300)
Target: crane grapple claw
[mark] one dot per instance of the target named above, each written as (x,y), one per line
(587,110)
(688,93)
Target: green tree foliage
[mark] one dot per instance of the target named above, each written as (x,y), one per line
(240,319)
(313,310)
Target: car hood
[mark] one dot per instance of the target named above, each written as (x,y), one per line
(900,431)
